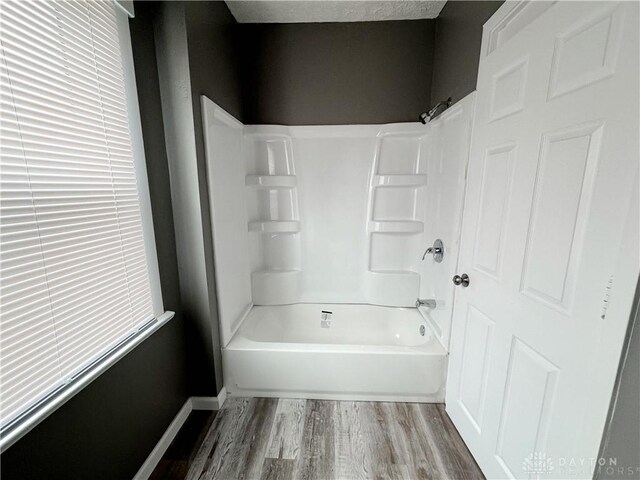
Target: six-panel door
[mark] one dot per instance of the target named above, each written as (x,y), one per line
(553,161)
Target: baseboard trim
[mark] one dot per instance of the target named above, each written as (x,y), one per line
(158,451)
(222,396)
(209,403)
(192,403)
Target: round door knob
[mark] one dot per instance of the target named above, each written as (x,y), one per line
(461,280)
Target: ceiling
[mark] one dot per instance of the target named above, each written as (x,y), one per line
(309,11)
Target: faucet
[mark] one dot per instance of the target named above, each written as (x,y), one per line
(431,251)
(437,251)
(426,302)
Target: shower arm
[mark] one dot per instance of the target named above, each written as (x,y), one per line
(443,103)
(432,113)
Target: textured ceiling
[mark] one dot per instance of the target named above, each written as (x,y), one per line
(298,11)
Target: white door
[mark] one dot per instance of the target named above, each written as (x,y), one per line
(551,174)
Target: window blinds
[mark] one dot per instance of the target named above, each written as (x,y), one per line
(74,279)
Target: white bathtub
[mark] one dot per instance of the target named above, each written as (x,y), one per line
(358,352)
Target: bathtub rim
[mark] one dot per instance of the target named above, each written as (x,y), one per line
(241,342)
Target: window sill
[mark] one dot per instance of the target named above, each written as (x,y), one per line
(60,397)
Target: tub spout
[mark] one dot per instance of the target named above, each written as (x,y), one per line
(425,302)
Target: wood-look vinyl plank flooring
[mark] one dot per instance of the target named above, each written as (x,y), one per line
(286,439)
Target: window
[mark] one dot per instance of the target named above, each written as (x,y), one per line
(75,267)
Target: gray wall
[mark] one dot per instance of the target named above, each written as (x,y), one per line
(214,56)
(215,72)
(336,73)
(200,369)
(198,55)
(188,198)
(457,48)
(107,430)
(622,435)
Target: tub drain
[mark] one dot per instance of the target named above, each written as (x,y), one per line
(422,330)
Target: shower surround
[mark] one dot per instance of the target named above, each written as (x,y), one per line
(339,212)
(337,218)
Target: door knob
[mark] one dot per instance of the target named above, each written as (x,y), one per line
(461,280)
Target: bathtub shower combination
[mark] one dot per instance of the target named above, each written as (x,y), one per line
(335,246)
(331,284)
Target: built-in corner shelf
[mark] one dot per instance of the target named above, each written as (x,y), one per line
(271,181)
(396,226)
(409,180)
(273,215)
(275,226)
(395,218)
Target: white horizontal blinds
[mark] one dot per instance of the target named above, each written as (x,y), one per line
(29,364)
(74,273)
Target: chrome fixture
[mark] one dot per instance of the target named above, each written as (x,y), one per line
(426,302)
(437,251)
(423,330)
(325,318)
(435,111)
(461,280)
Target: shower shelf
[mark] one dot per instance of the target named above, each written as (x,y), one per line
(411,180)
(276,271)
(270,181)
(275,226)
(394,226)
(396,273)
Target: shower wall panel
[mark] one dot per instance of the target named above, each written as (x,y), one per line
(347,205)
(334,169)
(446,172)
(337,214)
(226,178)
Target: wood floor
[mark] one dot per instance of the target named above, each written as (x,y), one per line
(264,438)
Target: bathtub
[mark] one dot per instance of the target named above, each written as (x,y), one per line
(337,352)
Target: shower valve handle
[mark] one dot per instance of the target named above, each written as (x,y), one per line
(437,251)
(431,251)
(461,280)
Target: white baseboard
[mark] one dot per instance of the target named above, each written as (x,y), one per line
(209,403)
(156,454)
(222,396)
(192,403)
